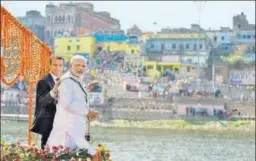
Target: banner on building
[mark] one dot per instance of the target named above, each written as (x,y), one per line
(242,77)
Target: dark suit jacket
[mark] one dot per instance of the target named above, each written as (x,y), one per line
(45,106)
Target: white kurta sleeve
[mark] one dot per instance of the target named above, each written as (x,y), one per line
(67,101)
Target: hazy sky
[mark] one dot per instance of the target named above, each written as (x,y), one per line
(171,14)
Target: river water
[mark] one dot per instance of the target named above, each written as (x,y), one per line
(127,144)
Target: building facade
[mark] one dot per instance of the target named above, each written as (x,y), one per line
(134,31)
(75,45)
(245,34)
(154,68)
(117,41)
(35,22)
(245,37)
(70,19)
(222,41)
(241,23)
(249,55)
(191,47)
(242,77)
(121,46)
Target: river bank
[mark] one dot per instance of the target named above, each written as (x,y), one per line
(182,125)
(241,126)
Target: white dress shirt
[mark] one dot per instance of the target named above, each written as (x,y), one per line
(54,77)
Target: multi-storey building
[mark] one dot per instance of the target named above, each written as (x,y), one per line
(245,37)
(69,19)
(117,41)
(221,41)
(35,22)
(244,34)
(232,46)
(190,47)
(74,45)
(243,31)
(173,49)
(240,23)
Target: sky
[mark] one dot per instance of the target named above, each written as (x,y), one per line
(172,14)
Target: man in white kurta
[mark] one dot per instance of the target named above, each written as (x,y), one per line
(69,127)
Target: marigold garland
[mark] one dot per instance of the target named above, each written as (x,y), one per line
(11,53)
(22,55)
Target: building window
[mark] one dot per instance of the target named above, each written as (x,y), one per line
(150,67)
(69,40)
(77,40)
(188,69)
(47,34)
(63,18)
(68,48)
(48,19)
(215,38)
(238,36)
(132,52)
(60,33)
(52,33)
(200,46)
(173,46)
(248,36)
(78,47)
(158,68)
(222,38)
(195,47)
(244,36)
(69,18)
(162,47)
(56,19)
(60,19)
(181,47)
(151,46)
(187,46)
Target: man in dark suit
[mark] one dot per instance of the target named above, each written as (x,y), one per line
(46,94)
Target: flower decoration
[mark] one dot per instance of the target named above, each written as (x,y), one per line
(17,152)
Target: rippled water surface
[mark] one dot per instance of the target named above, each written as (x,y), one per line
(160,145)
